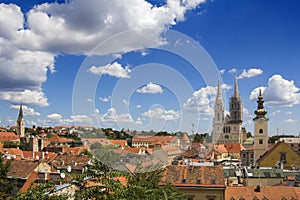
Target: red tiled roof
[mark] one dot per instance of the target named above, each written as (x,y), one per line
(22,168)
(153,139)
(266,192)
(8,136)
(56,138)
(186,175)
(75,161)
(48,156)
(33,176)
(234,147)
(121,143)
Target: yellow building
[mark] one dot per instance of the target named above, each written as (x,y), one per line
(281,155)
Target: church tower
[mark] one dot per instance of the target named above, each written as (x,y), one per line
(218,122)
(260,129)
(20,123)
(235,105)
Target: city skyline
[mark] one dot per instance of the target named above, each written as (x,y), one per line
(126,65)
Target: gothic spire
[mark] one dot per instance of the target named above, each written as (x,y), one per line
(236,89)
(219,91)
(20,112)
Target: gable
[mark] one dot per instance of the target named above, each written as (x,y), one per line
(280,152)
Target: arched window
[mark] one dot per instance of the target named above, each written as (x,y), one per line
(261,131)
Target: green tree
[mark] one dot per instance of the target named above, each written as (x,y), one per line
(106,185)
(41,191)
(6,186)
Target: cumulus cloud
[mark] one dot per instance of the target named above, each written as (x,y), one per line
(292,121)
(115,69)
(89,100)
(159,113)
(104,99)
(81,119)
(30,44)
(150,88)
(112,116)
(26,110)
(232,71)
(250,73)
(33,97)
(201,100)
(138,121)
(279,92)
(54,116)
(138,106)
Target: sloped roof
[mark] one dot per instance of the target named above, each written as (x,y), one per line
(194,176)
(75,161)
(8,136)
(185,137)
(234,147)
(153,139)
(121,143)
(266,192)
(22,168)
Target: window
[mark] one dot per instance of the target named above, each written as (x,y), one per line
(267,174)
(213,181)
(183,180)
(261,131)
(283,157)
(244,155)
(199,181)
(260,141)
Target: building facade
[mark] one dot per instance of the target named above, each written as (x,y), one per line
(260,129)
(228,129)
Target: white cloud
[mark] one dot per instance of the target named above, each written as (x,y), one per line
(33,97)
(138,106)
(125,102)
(26,110)
(112,116)
(279,92)
(232,71)
(115,69)
(81,119)
(292,121)
(159,113)
(201,101)
(54,116)
(89,100)
(104,99)
(288,113)
(138,121)
(222,71)
(250,73)
(150,88)
(30,44)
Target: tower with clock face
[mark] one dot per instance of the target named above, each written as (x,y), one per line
(260,129)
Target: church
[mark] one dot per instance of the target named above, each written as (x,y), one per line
(228,129)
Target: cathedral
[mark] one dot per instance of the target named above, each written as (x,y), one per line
(228,129)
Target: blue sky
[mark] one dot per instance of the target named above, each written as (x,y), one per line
(147,65)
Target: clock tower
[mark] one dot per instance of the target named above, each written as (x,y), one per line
(260,129)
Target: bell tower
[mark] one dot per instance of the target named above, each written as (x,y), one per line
(260,129)
(20,123)
(218,122)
